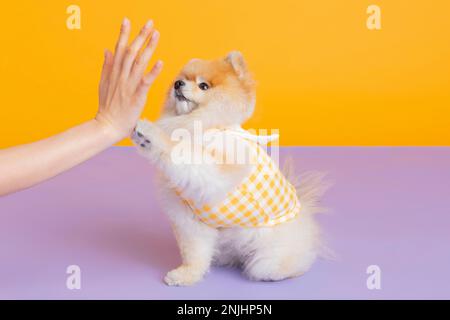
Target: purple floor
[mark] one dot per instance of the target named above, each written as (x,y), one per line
(390,207)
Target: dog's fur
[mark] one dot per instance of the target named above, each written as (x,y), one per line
(266,253)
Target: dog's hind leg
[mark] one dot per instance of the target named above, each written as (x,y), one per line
(288,251)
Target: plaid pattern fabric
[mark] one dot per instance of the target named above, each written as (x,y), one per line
(264,198)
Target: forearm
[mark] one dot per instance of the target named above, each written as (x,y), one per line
(26,165)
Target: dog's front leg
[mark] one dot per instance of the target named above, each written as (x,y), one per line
(154,143)
(196,242)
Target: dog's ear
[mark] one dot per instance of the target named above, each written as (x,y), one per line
(237,61)
(194,60)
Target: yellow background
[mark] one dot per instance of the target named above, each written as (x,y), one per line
(323,77)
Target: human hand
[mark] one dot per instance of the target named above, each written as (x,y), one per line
(123,85)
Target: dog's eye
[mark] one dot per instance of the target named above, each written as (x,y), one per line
(203,86)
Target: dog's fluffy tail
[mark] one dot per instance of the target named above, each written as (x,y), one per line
(310,186)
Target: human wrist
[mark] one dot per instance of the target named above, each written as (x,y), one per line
(108,130)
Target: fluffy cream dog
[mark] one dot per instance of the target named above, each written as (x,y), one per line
(220,94)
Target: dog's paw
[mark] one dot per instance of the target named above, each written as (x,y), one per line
(140,135)
(140,140)
(183,276)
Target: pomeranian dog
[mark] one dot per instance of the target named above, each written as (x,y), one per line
(229,213)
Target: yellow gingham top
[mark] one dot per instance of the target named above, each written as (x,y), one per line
(264,198)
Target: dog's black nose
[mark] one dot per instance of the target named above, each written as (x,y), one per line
(178,84)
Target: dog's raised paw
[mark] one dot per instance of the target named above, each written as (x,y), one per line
(140,139)
(182,276)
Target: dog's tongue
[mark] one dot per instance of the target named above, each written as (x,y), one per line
(183,107)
